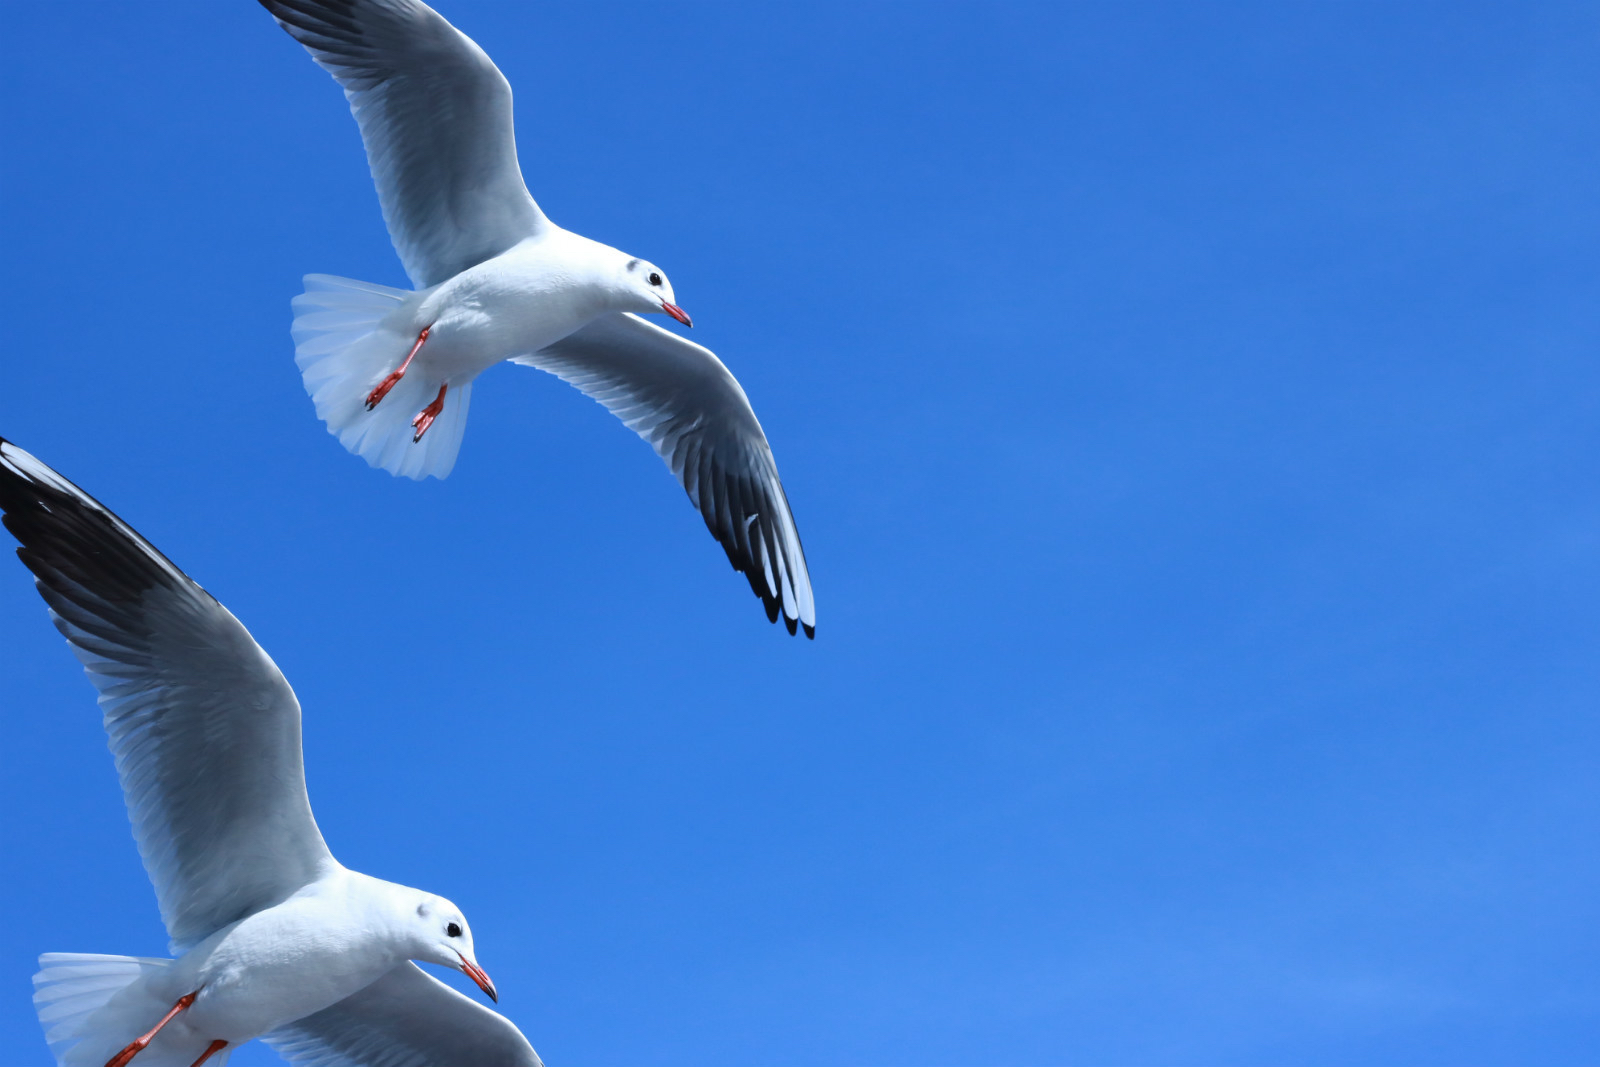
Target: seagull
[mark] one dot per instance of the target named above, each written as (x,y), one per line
(273,937)
(391,370)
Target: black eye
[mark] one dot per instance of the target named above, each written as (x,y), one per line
(655,279)
(453,930)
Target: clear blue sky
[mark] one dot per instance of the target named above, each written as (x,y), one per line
(1192,414)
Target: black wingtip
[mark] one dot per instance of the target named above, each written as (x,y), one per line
(74,545)
(811,632)
(790,623)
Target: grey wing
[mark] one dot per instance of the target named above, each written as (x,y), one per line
(204,728)
(679,397)
(404,1019)
(435,115)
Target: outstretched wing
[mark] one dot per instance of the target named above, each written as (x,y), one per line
(204,728)
(404,1019)
(435,115)
(679,397)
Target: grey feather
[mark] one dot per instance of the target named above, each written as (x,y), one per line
(404,1019)
(680,398)
(435,116)
(204,728)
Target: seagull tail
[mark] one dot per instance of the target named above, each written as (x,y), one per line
(91,1006)
(344,351)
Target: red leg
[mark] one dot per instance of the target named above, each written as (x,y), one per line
(377,395)
(426,416)
(121,1059)
(215,1046)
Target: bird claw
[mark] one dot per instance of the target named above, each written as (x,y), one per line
(426,416)
(375,397)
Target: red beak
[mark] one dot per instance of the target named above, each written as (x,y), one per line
(678,313)
(474,972)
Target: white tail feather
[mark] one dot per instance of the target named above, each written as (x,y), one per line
(91,1006)
(343,352)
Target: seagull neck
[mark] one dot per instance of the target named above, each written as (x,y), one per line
(599,271)
(385,909)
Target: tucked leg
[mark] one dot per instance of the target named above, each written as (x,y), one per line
(377,395)
(426,416)
(121,1059)
(215,1046)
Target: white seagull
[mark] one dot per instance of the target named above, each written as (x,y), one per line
(391,370)
(274,938)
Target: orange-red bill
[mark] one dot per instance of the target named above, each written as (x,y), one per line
(678,313)
(474,972)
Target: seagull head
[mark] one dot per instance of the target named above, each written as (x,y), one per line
(439,934)
(649,292)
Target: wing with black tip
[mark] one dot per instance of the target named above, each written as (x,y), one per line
(679,397)
(204,728)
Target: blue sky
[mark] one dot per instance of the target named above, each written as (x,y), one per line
(1192,414)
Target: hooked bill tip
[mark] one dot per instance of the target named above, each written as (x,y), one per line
(476,973)
(678,313)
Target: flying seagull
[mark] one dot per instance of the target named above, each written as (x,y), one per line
(391,370)
(273,937)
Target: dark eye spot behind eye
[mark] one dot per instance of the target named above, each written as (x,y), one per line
(655,279)
(453,930)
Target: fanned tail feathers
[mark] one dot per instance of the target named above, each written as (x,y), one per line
(343,353)
(92,1005)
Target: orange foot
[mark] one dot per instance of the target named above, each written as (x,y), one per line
(377,395)
(426,416)
(138,1044)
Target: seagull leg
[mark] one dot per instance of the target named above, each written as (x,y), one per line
(426,416)
(377,395)
(215,1046)
(138,1045)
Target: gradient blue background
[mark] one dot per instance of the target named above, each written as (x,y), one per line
(1192,414)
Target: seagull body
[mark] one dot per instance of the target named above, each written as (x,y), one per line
(391,370)
(331,939)
(274,938)
(528,297)
(285,962)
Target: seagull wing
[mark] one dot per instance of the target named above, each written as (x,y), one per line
(435,115)
(680,398)
(404,1019)
(205,730)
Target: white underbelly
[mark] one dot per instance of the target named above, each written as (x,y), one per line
(491,312)
(271,997)
(273,968)
(460,348)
